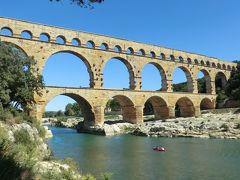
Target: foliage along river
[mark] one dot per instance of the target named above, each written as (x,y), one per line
(132,158)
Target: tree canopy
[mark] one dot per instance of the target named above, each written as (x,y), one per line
(18,76)
(232,89)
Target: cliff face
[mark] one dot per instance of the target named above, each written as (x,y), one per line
(25,155)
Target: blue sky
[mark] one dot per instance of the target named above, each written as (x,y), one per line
(209,27)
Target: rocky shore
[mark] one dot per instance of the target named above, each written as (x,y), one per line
(226,125)
(26,155)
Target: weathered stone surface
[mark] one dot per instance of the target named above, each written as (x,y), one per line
(132,100)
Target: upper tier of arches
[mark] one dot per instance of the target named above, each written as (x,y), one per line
(48,34)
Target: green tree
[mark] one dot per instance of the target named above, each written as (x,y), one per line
(69,110)
(113,105)
(232,89)
(19,78)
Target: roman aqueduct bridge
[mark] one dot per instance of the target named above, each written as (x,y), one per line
(41,42)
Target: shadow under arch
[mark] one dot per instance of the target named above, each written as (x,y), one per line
(220,81)
(160,107)
(85,106)
(207,82)
(188,77)
(80,57)
(206,103)
(129,68)
(162,75)
(184,108)
(128,109)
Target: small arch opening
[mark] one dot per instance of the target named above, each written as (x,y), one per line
(26,35)
(90,44)
(44,37)
(117,49)
(104,46)
(76,42)
(61,40)
(152,54)
(130,50)
(6,31)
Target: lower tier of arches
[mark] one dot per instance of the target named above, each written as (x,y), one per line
(132,103)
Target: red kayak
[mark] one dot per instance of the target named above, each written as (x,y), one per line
(158,148)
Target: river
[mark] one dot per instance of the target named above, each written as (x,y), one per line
(132,158)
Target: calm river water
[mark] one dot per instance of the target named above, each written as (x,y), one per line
(132,158)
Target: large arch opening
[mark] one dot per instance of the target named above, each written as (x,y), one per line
(120,108)
(220,81)
(182,80)
(206,104)
(204,82)
(69,106)
(153,77)
(118,73)
(67,69)
(184,108)
(155,108)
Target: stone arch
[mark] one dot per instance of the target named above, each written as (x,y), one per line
(8,30)
(213,65)
(160,107)
(152,54)
(117,49)
(130,50)
(44,37)
(207,79)
(162,56)
(85,105)
(220,81)
(224,66)
(162,74)
(172,57)
(229,68)
(90,44)
(206,103)
(184,107)
(141,52)
(76,42)
(127,107)
(189,60)
(181,59)
(208,64)
(104,46)
(202,63)
(188,77)
(60,39)
(26,34)
(196,61)
(219,66)
(129,68)
(80,57)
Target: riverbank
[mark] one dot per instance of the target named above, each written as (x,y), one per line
(221,124)
(24,153)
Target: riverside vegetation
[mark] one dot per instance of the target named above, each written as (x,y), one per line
(24,153)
